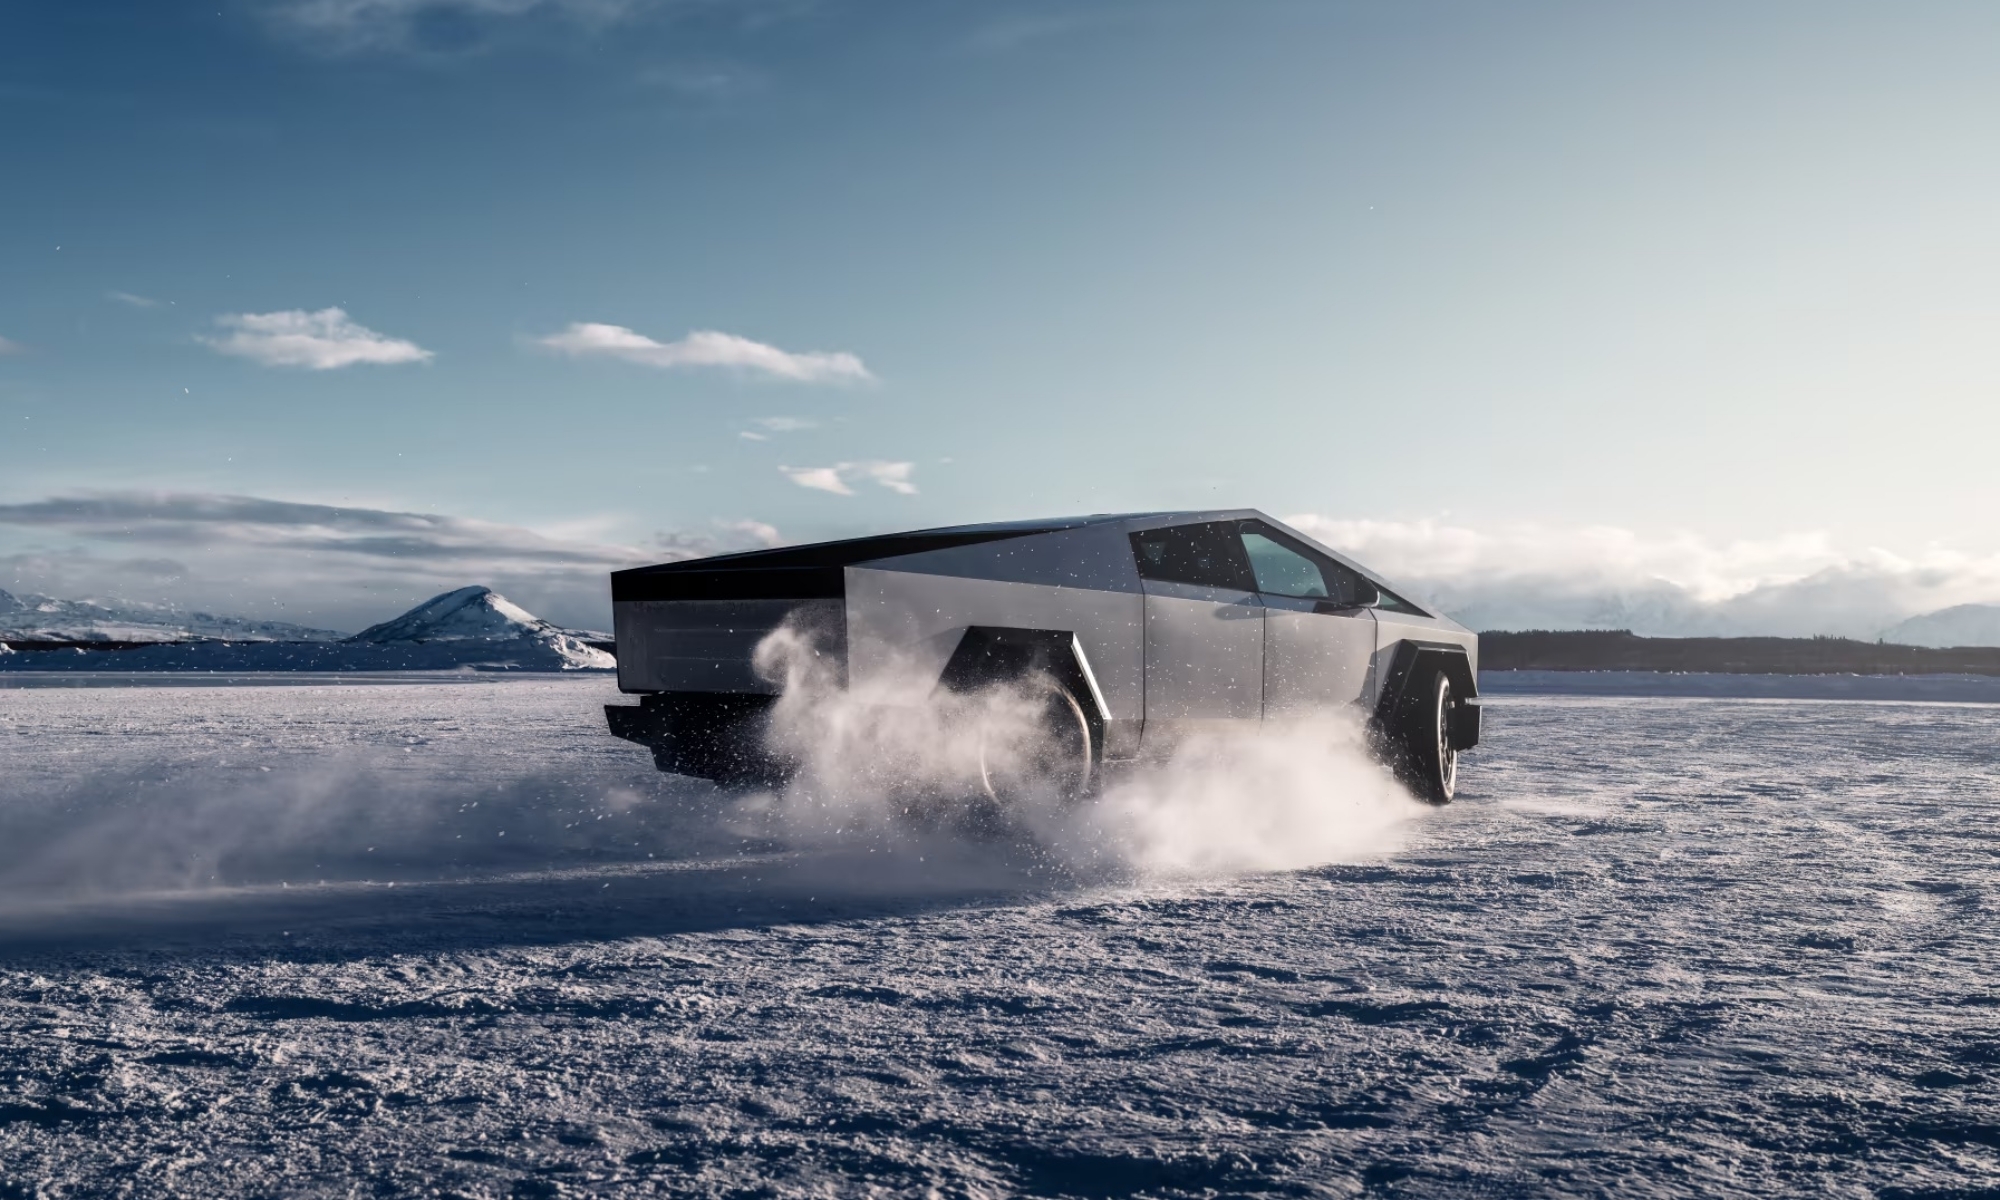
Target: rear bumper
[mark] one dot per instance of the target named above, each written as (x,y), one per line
(708,735)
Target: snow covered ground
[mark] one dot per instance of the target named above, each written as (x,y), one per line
(456,940)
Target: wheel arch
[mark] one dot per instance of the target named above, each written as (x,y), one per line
(991,654)
(1414,663)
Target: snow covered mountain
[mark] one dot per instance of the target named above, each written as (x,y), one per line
(1959,625)
(471,628)
(32,618)
(469,612)
(482,617)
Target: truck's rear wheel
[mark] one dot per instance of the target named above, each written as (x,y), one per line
(1431,760)
(1056,761)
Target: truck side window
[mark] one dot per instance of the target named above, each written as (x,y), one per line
(1284,568)
(1391,602)
(1207,555)
(1281,570)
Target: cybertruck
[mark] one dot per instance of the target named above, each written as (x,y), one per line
(1135,630)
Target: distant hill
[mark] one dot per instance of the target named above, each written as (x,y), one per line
(472,627)
(1622,650)
(478,619)
(32,618)
(1960,625)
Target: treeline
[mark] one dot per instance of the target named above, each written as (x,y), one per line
(1622,650)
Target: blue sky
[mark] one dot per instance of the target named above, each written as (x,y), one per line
(1719,278)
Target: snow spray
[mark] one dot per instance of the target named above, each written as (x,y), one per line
(900,759)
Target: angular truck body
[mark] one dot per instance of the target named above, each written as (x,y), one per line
(1153,626)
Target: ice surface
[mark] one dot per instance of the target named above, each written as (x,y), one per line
(1659,947)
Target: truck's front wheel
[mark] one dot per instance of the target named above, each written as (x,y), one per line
(1432,763)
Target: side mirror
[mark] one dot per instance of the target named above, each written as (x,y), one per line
(1366,595)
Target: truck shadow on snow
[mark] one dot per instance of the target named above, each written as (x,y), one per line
(360,858)
(340,920)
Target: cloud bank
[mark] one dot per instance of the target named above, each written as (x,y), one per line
(333,566)
(11,347)
(318,341)
(344,567)
(1533,576)
(840,477)
(706,348)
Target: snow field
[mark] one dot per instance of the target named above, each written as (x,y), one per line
(1659,947)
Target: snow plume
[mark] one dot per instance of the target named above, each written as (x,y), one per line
(870,756)
(1530,576)
(707,348)
(222,787)
(318,341)
(898,759)
(1266,799)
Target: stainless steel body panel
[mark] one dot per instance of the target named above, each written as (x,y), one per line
(1204,658)
(904,625)
(1315,661)
(1098,557)
(1394,628)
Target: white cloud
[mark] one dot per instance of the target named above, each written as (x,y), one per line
(825,479)
(9,347)
(133,300)
(318,341)
(706,348)
(760,533)
(1524,576)
(892,475)
(840,477)
(773,425)
(726,537)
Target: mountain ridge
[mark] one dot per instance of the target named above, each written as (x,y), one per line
(32,617)
(467,628)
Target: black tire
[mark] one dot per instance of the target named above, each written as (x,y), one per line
(1431,765)
(1061,760)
